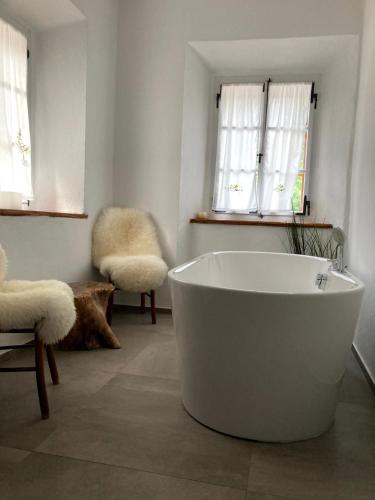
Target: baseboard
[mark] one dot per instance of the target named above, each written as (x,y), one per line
(128,308)
(366,372)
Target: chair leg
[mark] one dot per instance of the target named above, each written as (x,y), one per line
(153,307)
(40,378)
(143,303)
(109,312)
(52,365)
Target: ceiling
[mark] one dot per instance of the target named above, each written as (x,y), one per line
(293,55)
(41,15)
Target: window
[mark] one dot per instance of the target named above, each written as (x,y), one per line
(263,136)
(15,147)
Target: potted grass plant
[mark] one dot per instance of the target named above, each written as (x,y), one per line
(312,241)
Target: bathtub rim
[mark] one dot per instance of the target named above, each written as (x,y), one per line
(358,288)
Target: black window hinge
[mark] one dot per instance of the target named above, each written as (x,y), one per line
(314,96)
(266,84)
(28,54)
(316,101)
(306,206)
(218,98)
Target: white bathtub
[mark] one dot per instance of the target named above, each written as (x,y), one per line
(262,349)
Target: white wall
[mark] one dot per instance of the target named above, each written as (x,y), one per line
(44,14)
(362,227)
(194,148)
(60,248)
(153,35)
(58,59)
(215,237)
(333,136)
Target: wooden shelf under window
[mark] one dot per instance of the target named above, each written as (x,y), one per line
(249,220)
(39,213)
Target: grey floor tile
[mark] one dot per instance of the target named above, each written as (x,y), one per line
(355,389)
(20,422)
(144,383)
(122,408)
(11,456)
(281,473)
(264,496)
(351,438)
(158,359)
(126,320)
(44,477)
(133,341)
(148,429)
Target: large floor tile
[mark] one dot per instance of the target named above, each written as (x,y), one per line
(133,341)
(143,383)
(355,390)
(158,359)
(10,457)
(128,320)
(118,431)
(20,422)
(44,477)
(278,472)
(141,424)
(351,438)
(263,496)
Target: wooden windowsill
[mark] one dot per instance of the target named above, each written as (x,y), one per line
(39,213)
(250,220)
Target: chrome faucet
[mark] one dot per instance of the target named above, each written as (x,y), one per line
(321,280)
(337,264)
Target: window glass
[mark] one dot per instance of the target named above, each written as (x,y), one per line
(15,146)
(262,147)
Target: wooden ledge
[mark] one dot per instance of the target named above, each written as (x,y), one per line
(248,220)
(38,213)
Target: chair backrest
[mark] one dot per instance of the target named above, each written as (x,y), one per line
(123,231)
(3,264)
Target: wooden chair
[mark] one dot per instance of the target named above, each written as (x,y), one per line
(38,368)
(49,306)
(126,251)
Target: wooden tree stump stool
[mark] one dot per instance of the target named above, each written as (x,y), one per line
(93,302)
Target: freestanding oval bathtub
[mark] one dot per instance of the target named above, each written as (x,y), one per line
(262,348)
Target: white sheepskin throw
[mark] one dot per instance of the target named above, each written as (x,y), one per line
(126,249)
(47,305)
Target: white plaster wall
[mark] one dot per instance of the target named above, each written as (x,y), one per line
(194,148)
(333,136)
(41,247)
(215,237)
(152,38)
(59,118)
(361,226)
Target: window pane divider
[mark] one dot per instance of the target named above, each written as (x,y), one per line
(262,144)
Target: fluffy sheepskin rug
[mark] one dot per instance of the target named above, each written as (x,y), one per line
(126,249)
(47,304)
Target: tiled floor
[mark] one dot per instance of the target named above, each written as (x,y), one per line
(118,431)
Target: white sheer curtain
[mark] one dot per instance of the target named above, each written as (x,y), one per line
(15,149)
(287,123)
(239,134)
